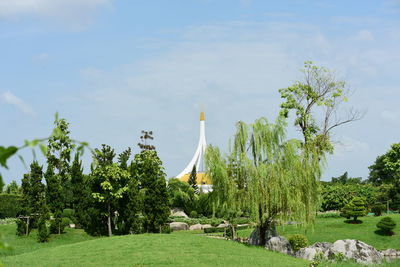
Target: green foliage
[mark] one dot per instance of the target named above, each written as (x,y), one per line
(192,181)
(43,231)
(386,225)
(80,192)
(68,213)
(148,170)
(386,168)
(9,205)
(182,195)
(319,93)
(12,188)
(345,179)
(355,208)
(5,154)
(298,241)
(222,229)
(21,227)
(378,208)
(280,180)
(329,214)
(336,196)
(54,197)
(165,229)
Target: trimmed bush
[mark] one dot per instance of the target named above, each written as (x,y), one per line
(378,208)
(165,229)
(43,232)
(298,241)
(386,225)
(193,214)
(9,205)
(355,209)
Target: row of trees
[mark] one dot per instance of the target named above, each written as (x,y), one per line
(119,196)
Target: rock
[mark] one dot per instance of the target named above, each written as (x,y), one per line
(255,236)
(310,252)
(177,226)
(279,244)
(390,253)
(223,225)
(196,227)
(71,225)
(178,213)
(204,226)
(357,250)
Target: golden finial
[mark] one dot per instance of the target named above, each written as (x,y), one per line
(202,116)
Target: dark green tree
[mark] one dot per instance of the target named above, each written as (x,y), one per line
(183,196)
(1,184)
(386,225)
(193,179)
(54,196)
(79,190)
(148,170)
(345,179)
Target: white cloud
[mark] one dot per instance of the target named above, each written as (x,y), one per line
(349,145)
(9,98)
(75,13)
(364,35)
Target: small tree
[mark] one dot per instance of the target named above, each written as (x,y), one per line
(386,225)
(54,198)
(113,185)
(193,179)
(148,170)
(355,208)
(79,189)
(12,188)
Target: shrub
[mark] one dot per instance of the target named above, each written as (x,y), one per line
(386,225)
(193,214)
(378,208)
(68,213)
(229,232)
(21,227)
(9,205)
(43,231)
(57,226)
(241,220)
(298,242)
(165,229)
(355,209)
(329,214)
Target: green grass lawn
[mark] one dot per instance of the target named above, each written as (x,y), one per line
(187,248)
(176,249)
(332,229)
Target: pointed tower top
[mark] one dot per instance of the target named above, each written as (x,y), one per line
(202,116)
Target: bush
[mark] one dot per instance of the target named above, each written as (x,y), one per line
(21,227)
(241,220)
(165,229)
(9,205)
(57,226)
(329,214)
(355,209)
(378,208)
(68,213)
(193,214)
(386,225)
(43,231)
(298,241)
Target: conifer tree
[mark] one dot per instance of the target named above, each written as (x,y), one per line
(79,190)
(193,179)
(54,198)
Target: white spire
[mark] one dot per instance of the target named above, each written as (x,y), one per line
(198,157)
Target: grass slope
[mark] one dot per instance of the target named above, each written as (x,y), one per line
(29,243)
(176,249)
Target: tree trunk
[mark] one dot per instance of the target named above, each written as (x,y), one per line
(109,220)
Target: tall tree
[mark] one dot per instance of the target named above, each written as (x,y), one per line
(59,149)
(79,189)
(319,93)
(148,170)
(12,188)
(54,196)
(193,179)
(111,181)
(281,179)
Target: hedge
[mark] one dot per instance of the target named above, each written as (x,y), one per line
(9,204)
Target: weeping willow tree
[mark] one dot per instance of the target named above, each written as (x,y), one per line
(272,178)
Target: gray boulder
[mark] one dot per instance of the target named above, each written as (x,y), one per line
(319,248)
(357,250)
(203,226)
(178,226)
(255,236)
(223,225)
(392,253)
(178,213)
(279,244)
(196,227)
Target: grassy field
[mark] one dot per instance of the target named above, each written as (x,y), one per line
(176,249)
(332,229)
(186,248)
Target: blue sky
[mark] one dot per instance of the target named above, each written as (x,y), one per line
(113,68)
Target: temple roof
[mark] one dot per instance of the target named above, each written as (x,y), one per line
(201,178)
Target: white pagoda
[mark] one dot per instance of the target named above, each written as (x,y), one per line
(202,180)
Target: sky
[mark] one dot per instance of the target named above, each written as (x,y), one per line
(114,68)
